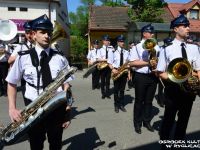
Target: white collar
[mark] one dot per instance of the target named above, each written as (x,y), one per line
(39,49)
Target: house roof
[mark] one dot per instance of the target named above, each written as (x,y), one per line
(108,18)
(176,8)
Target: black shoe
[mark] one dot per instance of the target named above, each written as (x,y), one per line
(123,109)
(103,96)
(138,130)
(148,126)
(116,109)
(108,97)
(160,103)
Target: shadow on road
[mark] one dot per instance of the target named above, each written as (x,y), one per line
(87,140)
(75,112)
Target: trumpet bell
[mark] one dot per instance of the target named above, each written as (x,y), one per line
(149,44)
(179,70)
(8,30)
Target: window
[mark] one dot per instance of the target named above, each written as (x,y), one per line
(23,9)
(11,8)
(194,14)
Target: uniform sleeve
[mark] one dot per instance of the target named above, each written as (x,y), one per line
(16,50)
(196,64)
(65,62)
(89,55)
(134,55)
(110,57)
(162,61)
(15,73)
(99,54)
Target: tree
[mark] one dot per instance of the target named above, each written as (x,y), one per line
(146,10)
(112,3)
(79,28)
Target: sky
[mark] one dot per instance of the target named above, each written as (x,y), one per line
(73,4)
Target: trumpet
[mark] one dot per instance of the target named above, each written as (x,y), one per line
(149,45)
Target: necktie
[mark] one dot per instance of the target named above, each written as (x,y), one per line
(106,52)
(45,70)
(184,54)
(121,58)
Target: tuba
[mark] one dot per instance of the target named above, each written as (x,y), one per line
(149,45)
(58,34)
(8,30)
(46,102)
(180,71)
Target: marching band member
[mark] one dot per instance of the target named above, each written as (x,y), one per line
(102,56)
(177,101)
(26,44)
(92,58)
(120,57)
(145,82)
(26,65)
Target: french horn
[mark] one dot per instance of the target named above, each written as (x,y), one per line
(180,71)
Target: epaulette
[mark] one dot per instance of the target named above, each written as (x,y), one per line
(24,52)
(164,46)
(53,51)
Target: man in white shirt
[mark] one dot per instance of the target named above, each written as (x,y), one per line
(177,100)
(120,57)
(92,58)
(28,65)
(145,81)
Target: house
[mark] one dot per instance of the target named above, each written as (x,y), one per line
(191,10)
(115,20)
(107,20)
(20,11)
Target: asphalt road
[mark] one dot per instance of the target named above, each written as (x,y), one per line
(95,125)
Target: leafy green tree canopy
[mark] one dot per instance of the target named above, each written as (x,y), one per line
(146,10)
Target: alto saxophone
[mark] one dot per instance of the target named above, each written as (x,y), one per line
(121,70)
(47,101)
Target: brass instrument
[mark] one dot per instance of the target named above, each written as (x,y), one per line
(121,70)
(180,71)
(58,34)
(8,30)
(91,69)
(149,45)
(102,65)
(47,101)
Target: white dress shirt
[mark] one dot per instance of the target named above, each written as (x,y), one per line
(23,67)
(138,53)
(117,55)
(92,55)
(101,54)
(174,51)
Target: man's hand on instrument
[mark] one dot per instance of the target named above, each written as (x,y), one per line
(15,114)
(114,71)
(153,63)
